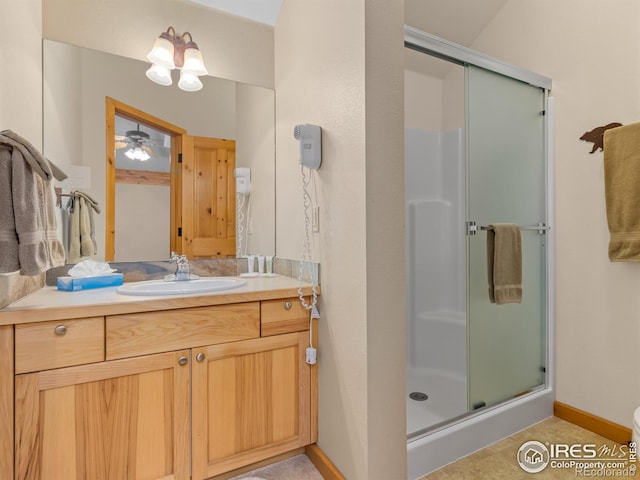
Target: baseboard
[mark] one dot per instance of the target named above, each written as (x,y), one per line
(598,425)
(322,463)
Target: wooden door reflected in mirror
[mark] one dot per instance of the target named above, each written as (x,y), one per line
(208,197)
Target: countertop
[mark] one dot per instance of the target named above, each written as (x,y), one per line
(49,303)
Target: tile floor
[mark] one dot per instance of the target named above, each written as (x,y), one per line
(294,468)
(498,461)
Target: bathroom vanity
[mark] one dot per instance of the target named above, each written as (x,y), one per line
(101,385)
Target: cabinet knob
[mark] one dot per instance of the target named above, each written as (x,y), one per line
(60,329)
(183,360)
(287,305)
(200,357)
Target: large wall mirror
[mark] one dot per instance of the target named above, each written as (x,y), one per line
(76,84)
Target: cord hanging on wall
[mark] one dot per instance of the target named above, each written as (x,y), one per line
(596,136)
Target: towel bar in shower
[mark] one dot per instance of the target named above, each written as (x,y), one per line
(472,228)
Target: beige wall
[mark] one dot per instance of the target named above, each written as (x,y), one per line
(434,104)
(255,147)
(386,303)
(136,204)
(453,99)
(422,101)
(326,76)
(232,48)
(591,50)
(20,97)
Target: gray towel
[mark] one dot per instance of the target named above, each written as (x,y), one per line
(38,164)
(28,233)
(504,263)
(9,261)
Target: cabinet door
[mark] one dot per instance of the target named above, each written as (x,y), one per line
(251,401)
(125,419)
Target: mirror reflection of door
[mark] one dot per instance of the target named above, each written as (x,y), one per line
(142,191)
(208,197)
(138,188)
(153,168)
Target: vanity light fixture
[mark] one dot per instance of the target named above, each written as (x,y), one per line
(172,50)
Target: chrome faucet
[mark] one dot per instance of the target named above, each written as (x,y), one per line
(183,270)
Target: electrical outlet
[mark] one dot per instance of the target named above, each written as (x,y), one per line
(315,219)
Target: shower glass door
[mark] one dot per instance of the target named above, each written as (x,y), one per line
(505,184)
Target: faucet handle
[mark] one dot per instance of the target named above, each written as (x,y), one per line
(178,258)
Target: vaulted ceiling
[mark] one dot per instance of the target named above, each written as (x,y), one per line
(460,21)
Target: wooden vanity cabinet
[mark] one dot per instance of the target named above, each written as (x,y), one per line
(48,345)
(6,402)
(250,401)
(154,403)
(123,419)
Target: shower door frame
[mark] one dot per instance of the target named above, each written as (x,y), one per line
(452,440)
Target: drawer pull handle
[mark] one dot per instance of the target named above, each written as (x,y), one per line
(200,357)
(60,329)
(183,360)
(287,305)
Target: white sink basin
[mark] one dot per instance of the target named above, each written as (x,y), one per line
(161,287)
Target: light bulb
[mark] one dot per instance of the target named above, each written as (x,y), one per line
(193,60)
(159,75)
(137,153)
(162,52)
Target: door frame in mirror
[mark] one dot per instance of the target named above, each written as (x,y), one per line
(113,108)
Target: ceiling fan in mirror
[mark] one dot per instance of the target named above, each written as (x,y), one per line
(139,144)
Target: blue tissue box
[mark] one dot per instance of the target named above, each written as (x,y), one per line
(73,284)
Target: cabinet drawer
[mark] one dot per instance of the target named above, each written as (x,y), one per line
(284,315)
(56,344)
(152,332)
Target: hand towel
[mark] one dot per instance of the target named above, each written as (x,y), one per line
(28,236)
(622,191)
(28,233)
(9,261)
(88,230)
(82,242)
(56,252)
(504,263)
(73,206)
(87,243)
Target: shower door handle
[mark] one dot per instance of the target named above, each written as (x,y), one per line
(472,228)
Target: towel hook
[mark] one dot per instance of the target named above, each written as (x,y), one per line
(59,196)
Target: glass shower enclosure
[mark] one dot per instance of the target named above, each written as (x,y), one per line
(497,173)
